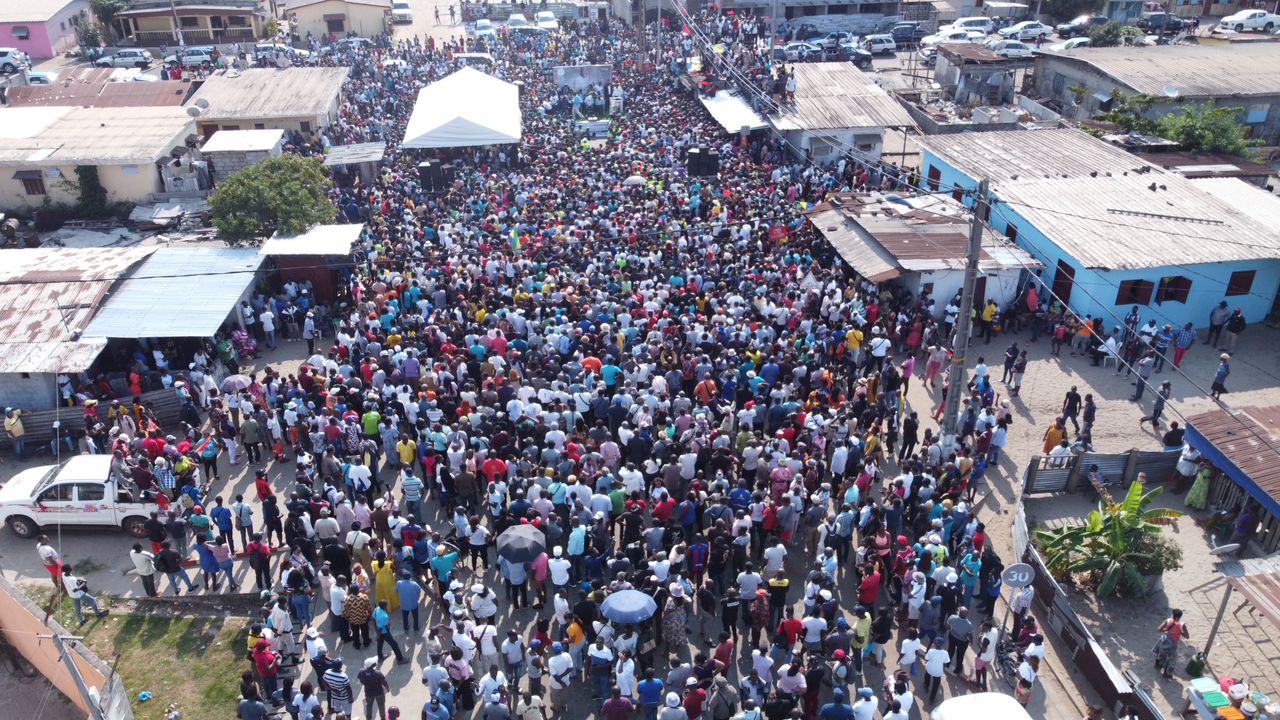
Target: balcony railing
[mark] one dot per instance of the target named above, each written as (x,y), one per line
(193,36)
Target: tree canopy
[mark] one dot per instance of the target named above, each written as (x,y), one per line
(1196,127)
(1112,34)
(287,194)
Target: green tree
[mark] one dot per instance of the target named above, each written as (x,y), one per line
(1205,127)
(1113,34)
(1114,545)
(1064,10)
(287,194)
(107,10)
(87,31)
(1129,112)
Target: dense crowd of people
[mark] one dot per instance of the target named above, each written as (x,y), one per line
(675,382)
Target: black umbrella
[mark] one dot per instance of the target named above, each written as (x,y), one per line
(521,543)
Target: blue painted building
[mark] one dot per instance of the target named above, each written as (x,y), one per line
(1114,231)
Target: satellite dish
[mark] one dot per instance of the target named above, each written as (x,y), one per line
(202,103)
(194,112)
(1225,549)
(1171,91)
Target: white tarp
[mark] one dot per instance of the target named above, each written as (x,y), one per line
(464,109)
(732,112)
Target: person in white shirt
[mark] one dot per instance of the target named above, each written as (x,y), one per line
(987,643)
(910,650)
(935,665)
(560,668)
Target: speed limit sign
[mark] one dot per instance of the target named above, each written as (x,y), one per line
(1018,575)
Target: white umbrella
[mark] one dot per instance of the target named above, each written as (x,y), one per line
(634,180)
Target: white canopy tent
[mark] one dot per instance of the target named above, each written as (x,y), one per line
(464,109)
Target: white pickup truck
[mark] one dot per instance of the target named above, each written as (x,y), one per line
(1250,20)
(78,492)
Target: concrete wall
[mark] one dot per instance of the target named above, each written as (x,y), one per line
(1055,76)
(21,622)
(1095,291)
(869,142)
(363,20)
(1002,285)
(123,183)
(226,164)
(36,391)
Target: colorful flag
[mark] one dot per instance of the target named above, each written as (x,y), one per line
(515,239)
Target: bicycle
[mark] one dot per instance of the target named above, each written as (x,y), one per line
(1008,657)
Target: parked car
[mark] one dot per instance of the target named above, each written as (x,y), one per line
(855,54)
(983,24)
(268,53)
(1071,44)
(797,51)
(13,60)
(546,20)
(907,33)
(880,44)
(81,491)
(832,39)
(484,28)
(1026,30)
(41,79)
(347,44)
(1250,20)
(1160,22)
(969,36)
(1081,25)
(1010,48)
(193,56)
(805,31)
(129,57)
(401,12)
(517,21)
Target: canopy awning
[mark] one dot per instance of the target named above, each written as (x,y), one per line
(319,240)
(1245,445)
(732,112)
(178,292)
(465,109)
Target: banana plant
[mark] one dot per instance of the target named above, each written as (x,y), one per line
(1105,543)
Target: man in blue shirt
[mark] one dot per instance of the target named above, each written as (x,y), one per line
(382,621)
(650,690)
(410,594)
(837,709)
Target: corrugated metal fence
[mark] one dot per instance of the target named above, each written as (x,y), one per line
(39,424)
(1054,475)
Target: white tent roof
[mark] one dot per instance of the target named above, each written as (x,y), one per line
(319,240)
(732,112)
(466,108)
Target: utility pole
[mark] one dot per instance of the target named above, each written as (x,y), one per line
(960,343)
(95,712)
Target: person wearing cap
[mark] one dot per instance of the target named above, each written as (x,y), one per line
(1234,326)
(935,665)
(561,669)
(1220,376)
(1157,406)
(672,709)
(15,431)
(375,687)
(410,594)
(838,708)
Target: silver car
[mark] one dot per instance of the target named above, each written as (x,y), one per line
(127,58)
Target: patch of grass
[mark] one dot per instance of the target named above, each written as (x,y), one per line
(194,662)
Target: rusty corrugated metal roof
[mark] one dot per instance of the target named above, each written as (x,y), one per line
(47,298)
(101,92)
(1248,437)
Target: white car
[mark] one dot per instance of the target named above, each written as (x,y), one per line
(517,21)
(546,20)
(877,44)
(81,491)
(193,57)
(1026,30)
(798,51)
(1250,20)
(401,12)
(41,79)
(979,23)
(484,28)
(128,57)
(1010,49)
(1070,44)
(963,36)
(13,60)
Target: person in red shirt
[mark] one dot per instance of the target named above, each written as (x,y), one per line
(268,666)
(694,697)
(618,707)
(494,469)
(869,588)
(664,509)
(262,485)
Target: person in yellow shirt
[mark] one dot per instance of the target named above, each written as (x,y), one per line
(853,344)
(988,320)
(407,450)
